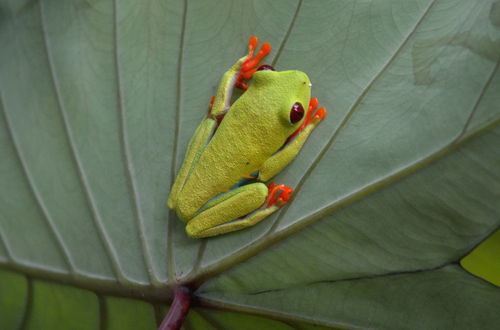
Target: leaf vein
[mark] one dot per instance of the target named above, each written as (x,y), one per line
(287,33)
(29,304)
(129,168)
(41,205)
(170,228)
(96,218)
(479,99)
(201,252)
(3,242)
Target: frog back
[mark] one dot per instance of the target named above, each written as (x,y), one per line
(249,134)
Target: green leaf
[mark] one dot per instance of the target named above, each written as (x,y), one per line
(202,318)
(98,100)
(484,260)
(125,313)
(13,289)
(55,306)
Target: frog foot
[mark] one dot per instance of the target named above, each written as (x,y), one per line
(249,66)
(313,116)
(278,194)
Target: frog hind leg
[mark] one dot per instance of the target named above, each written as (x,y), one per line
(240,208)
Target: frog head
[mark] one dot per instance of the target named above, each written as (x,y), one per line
(284,95)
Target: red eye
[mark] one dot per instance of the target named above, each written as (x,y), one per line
(265,67)
(296,113)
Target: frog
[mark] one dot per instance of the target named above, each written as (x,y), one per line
(241,145)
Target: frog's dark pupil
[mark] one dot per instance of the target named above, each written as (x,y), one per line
(296,113)
(265,67)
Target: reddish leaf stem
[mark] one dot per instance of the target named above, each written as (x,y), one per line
(178,310)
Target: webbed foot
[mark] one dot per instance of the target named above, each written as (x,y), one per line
(278,195)
(313,116)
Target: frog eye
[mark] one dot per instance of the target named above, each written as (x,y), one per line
(296,113)
(265,67)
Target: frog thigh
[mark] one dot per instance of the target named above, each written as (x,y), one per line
(223,214)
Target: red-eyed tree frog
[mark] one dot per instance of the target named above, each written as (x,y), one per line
(221,186)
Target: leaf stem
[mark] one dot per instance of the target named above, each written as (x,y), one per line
(178,310)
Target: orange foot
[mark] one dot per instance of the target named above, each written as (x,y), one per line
(311,115)
(249,66)
(278,194)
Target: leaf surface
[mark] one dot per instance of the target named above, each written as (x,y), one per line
(98,100)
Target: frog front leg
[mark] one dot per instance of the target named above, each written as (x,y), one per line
(242,70)
(274,164)
(237,209)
